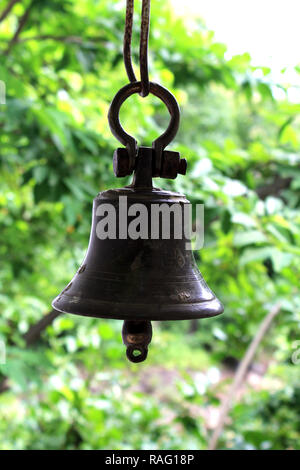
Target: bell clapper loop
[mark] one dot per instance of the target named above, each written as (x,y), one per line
(136,354)
(137,336)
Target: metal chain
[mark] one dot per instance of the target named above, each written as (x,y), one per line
(144,38)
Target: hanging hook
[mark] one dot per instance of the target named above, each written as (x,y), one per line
(144,39)
(165,163)
(130,142)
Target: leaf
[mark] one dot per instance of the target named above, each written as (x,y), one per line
(77,188)
(234,188)
(286,123)
(226,221)
(255,254)
(55,122)
(243,219)
(279,259)
(249,238)
(265,90)
(40,173)
(23,366)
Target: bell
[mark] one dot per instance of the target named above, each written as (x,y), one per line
(138,279)
(139,265)
(129,279)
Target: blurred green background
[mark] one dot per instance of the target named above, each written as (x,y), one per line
(70,385)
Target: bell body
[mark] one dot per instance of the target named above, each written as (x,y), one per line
(138,279)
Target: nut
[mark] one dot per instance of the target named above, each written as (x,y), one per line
(182,166)
(121,162)
(173,165)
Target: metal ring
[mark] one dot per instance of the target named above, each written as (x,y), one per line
(130,142)
(139,358)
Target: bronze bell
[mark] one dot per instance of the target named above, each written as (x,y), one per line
(141,279)
(146,278)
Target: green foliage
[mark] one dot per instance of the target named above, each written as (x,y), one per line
(74,388)
(267,420)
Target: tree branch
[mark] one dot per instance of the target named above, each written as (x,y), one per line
(71,39)
(20,27)
(7,10)
(240,374)
(32,335)
(35,331)
(274,188)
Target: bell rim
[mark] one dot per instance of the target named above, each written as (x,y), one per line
(171,312)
